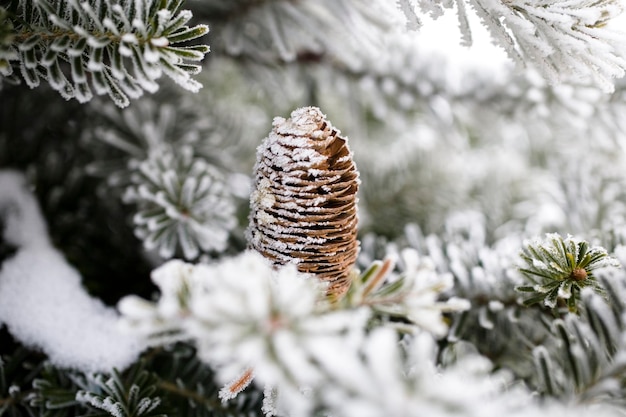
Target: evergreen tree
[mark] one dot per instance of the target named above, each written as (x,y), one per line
(316,208)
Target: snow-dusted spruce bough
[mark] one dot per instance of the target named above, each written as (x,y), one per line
(485,278)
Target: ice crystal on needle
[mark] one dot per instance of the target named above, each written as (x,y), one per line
(565,40)
(303,208)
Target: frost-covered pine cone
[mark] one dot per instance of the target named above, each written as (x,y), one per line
(303,208)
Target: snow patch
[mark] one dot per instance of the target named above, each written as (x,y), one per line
(42,301)
(19,213)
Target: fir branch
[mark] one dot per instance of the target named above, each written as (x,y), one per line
(287,344)
(495,325)
(559,269)
(115,49)
(128,395)
(190,386)
(171,379)
(54,392)
(410,300)
(125,142)
(563,40)
(585,359)
(18,371)
(183,202)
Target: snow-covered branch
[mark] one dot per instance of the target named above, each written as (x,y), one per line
(567,41)
(119,49)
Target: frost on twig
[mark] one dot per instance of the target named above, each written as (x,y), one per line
(246,316)
(413,297)
(183,202)
(104,47)
(242,314)
(567,41)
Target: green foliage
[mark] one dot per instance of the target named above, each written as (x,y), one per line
(169,381)
(190,386)
(559,269)
(156,135)
(131,395)
(583,359)
(366,286)
(54,392)
(119,49)
(61,392)
(17,371)
(183,203)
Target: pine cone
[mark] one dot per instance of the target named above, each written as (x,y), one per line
(304,206)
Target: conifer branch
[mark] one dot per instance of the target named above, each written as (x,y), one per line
(559,268)
(566,41)
(182,201)
(479,162)
(99,46)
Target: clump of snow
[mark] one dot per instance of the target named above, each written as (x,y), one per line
(303,122)
(42,301)
(21,218)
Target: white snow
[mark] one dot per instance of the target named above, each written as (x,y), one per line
(303,122)
(42,301)
(20,214)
